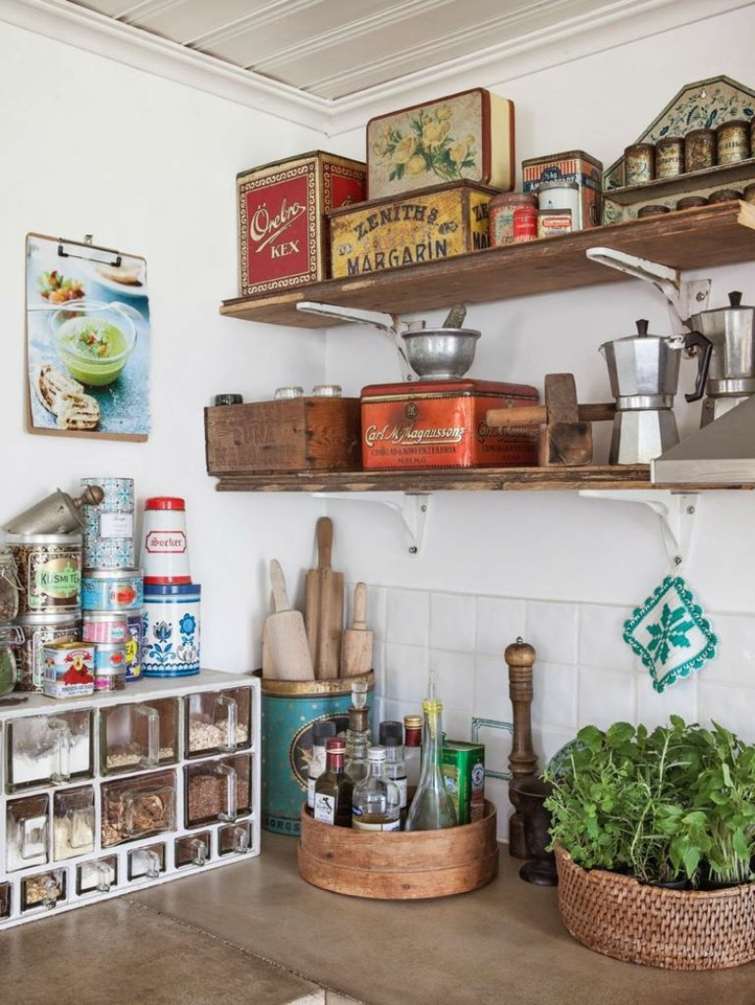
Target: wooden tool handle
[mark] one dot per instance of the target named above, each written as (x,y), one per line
(523,415)
(280,597)
(324,534)
(359,613)
(597,412)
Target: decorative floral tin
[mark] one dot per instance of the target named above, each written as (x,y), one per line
(111,590)
(469,135)
(170,646)
(105,627)
(49,572)
(109,526)
(39,629)
(441,424)
(69,669)
(570,166)
(524,223)
(699,149)
(733,141)
(669,157)
(134,645)
(282,231)
(165,550)
(412,229)
(639,164)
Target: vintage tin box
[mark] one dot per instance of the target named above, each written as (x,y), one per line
(441,424)
(570,166)
(466,135)
(463,766)
(414,228)
(282,230)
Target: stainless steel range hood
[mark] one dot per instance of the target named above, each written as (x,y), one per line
(721,453)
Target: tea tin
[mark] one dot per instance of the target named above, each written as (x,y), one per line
(109,526)
(569,166)
(170,646)
(135,625)
(525,223)
(111,590)
(69,669)
(49,572)
(733,141)
(39,630)
(669,157)
(554,222)
(639,164)
(699,149)
(109,665)
(501,215)
(105,627)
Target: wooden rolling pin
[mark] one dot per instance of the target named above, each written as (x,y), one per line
(356,648)
(537,415)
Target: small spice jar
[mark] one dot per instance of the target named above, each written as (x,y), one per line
(733,141)
(501,215)
(652,211)
(692,202)
(669,157)
(749,194)
(287,393)
(221,400)
(724,195)
(327,391)
(525,224)
(639,164)
(699,149)
(9,586)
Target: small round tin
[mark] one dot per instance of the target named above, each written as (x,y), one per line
(109,667)
(170,647)
(669,157)
(699,149)
(111,590)
(134,645)
(691,202)
(327,391)
(561,195)
(501,215)
(525,223)
(288,393)
(724,195)
(105,627)
(69,669)
(49,572)
(39,630)
(652,211)
(733,141)
(749,194)
(639,164)
(227,399)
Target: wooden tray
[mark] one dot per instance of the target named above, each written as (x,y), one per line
(405,866)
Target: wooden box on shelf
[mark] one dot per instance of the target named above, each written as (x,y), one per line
(297,434)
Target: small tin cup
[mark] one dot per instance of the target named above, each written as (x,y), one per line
(692,202)
(669,157)
(724,195)
(109,680)
(652,211)
(105,627)
(639,164)
(699,149)
(525,223)
(110,667)
(733,141)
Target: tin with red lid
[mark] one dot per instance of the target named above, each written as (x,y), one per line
(165,551)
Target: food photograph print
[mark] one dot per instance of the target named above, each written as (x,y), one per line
(87,340)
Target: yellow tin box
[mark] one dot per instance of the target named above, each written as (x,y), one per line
(412,229)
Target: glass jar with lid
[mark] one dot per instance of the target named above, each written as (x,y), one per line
(193,849)
(217,722)
(146,863)
(134,808)
(139,735)
(218,790)
(73,822)
(27,837)
(45,890)
(9,586)
(49,749)
(97,876)
(11,637)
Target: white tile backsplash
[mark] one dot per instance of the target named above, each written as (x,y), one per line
(455,676)
(452,621)
(600,637)
(500,620)
(491,689)
(725,705)
(735,663)
(408,617)
(653,709)
(552,629)
(555,694)
(406,673)
(606,697)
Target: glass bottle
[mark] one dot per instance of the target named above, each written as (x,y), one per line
(412,749)
(322,730)
(392,738)
(357,743)
(333,789)
(376,801)
(431,808)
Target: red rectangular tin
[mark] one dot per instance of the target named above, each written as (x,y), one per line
(441,424)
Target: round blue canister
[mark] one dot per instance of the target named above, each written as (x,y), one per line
(289,711)
(170,644)
(109,526)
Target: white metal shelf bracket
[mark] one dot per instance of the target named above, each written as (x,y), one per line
(411,508)
(675,510)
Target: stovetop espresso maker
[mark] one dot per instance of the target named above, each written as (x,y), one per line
(731,377)
(644,373)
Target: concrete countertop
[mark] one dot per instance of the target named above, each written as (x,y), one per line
(255,932)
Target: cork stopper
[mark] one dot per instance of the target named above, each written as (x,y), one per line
(519,654)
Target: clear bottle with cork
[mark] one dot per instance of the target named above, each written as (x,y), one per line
(322,730)
(412,749)
(432,807)
(375,804)
(358,733)
(392,738)
(334,788)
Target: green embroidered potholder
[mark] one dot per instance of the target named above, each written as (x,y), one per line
(670,633)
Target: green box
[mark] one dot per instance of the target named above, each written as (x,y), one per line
(464,775)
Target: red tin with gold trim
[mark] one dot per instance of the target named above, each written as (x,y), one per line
(283,236)
(441,424)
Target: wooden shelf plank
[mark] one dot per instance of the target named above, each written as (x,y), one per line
(704,237)
(720,176)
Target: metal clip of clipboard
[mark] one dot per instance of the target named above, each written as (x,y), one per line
(114,262)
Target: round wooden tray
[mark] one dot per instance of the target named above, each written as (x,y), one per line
(399,866)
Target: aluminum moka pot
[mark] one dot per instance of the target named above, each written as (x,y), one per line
(643,371)
(731,376)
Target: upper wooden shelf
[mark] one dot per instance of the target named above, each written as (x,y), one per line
(720,176)
(692,239)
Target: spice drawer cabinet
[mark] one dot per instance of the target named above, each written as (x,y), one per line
(107,794)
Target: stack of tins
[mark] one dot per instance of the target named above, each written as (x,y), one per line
(171,600)
(111,594)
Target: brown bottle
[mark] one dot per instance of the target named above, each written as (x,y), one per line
(333,788)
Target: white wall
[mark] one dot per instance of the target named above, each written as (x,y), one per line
(91,146)
(536,547)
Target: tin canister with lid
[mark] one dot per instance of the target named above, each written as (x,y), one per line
(111,590)
(105,627)
(733,141)
(749,193)
(110,667)
(135,626)
(699,149)
(39,630)
(639,164)
(69,669)
(501,215)
(49,572)
(11,637)
(165,553)
(109,526)
(669,157)
(525,224)
(9,586)
(562,195)
(170,647)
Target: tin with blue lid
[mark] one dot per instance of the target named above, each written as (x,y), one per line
(170,646)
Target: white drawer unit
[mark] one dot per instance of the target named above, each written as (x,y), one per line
(107,794)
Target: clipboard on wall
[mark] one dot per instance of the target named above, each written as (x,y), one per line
(87,340)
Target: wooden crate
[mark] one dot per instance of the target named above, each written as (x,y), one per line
(299,434)
(399,866)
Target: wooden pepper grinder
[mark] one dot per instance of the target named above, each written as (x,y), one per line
(520,657)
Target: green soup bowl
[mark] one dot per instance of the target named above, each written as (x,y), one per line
(94,339)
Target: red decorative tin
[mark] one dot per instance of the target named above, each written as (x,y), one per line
(441,424)
(282,231)
(525,223)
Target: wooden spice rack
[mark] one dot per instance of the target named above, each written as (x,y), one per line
(704,237)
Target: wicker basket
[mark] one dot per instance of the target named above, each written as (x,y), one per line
(674,929)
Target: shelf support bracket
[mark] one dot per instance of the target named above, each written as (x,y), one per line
(684,296)
(675,510)
(412,509)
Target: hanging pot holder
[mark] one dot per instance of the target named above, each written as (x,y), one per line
(670,633)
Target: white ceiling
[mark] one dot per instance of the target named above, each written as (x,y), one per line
(334,48)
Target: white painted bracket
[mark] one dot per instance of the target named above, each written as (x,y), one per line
(676,511)
(684,296)
(412,509)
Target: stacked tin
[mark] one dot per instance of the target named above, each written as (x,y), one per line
(111,589)
(171,600)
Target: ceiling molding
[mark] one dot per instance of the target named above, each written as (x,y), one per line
(618,23)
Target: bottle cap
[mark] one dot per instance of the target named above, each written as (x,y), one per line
(165,502)
(321,730)
(413,722)
(391,733)
(228,399)
(376,754)
(358,693)
(358,720)
(335,745)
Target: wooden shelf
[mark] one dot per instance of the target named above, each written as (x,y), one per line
(693,239)
(720,176)
(458,480)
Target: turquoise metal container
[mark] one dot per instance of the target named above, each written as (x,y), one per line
(289,710)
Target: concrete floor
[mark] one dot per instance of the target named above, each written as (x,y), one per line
(256,933)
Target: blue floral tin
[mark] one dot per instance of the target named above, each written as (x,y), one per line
(170,643)
(109,526)
(111,590)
